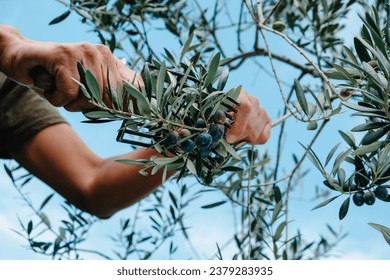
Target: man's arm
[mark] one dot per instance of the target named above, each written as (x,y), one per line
(58,157)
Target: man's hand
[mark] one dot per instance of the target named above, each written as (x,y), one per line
(19,56)
(251,124)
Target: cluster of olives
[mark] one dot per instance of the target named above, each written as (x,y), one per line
(369,197)
(201,142)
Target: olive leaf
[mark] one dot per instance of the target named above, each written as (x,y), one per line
(212,205)
(344,208)
(212,69)
(60,18)
(142,102)
(301,96)
(93,87)
(382,229)
(326,202)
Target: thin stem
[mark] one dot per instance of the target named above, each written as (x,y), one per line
(284,178)
(263,52)
(135,219)
(282,121)
(297,166)
(276,75)
(239,27)
(249,204)
(320,73)
(272,12)
(213,28)
(126,115)
(248,6)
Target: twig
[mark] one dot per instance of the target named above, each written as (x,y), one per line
(282,121)
(260,11)
(320,73)
(263,52)
(277,77)
(272,12)
(212,29)
(239,27)
(133,226)
(249,204)
(298,165)
(283,118)
(250,10)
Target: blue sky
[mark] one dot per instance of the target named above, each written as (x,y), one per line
(32,18)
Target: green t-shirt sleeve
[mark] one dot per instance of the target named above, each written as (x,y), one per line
(23,113)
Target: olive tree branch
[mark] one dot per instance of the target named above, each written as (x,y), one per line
(318,71)
(282,119)
(212,26)
(119,114)
(261,26)
(277,77)
(316,68)
(263,52)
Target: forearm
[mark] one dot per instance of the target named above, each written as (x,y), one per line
(119,185)
(58,157)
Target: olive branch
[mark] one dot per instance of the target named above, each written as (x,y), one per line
(180,114)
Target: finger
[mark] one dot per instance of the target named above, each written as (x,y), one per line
(129,75)
(42,79)
(67,90)
(265,135)
(81,104)
(241,118)
(263,129)
(239,126)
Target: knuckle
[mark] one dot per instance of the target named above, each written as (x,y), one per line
(232,136)
(103,49)
(85,46)
(55,100)
(139,82)
(254,101)
(245,105)
(64,53)
(70,108)
(86,49)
